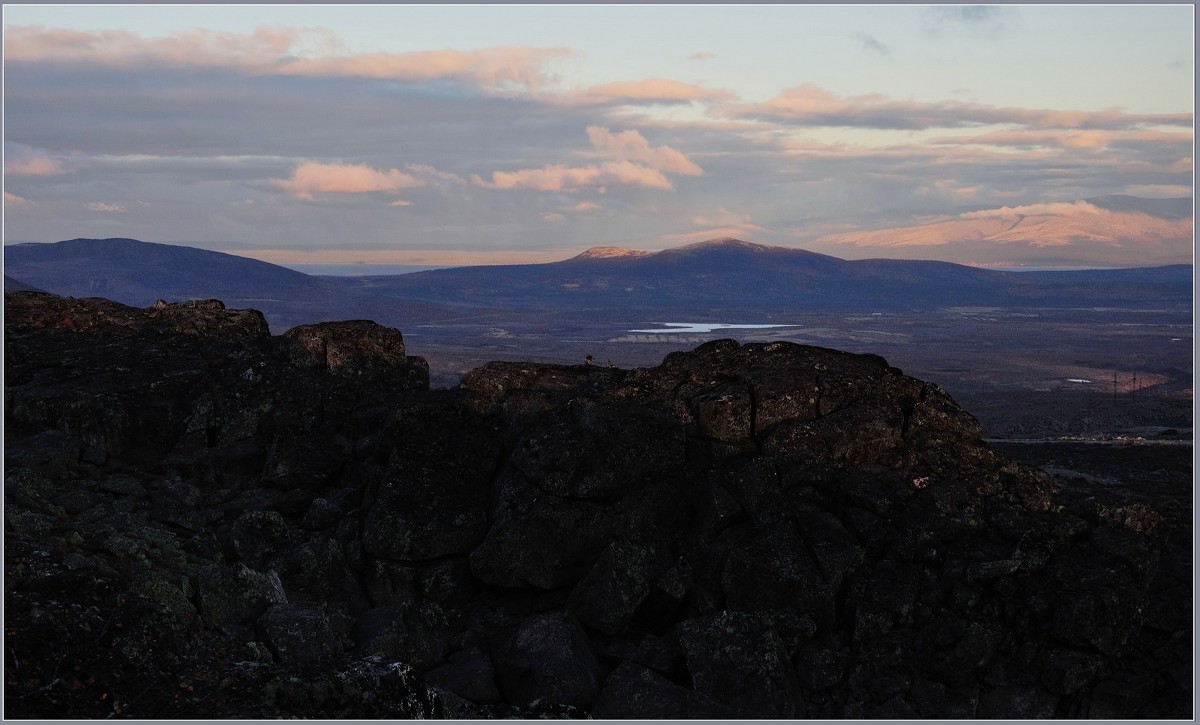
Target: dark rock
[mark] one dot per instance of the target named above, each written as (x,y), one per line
(203,518)
(236,594)
(298,634)
(548,657)
(322,514)
(304,461)
(200,318)
(468,673)
(414,634)
(607,598)
(820,668)
(737,660)
(637,693)
(260,537)
(353,347)
(433,498)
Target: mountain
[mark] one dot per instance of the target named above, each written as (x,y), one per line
(138,273)
(732,275)
(16,285)
(1111,230)
(717,277)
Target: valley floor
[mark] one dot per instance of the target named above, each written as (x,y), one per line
(1023,372)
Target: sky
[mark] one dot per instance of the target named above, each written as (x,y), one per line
(469,134)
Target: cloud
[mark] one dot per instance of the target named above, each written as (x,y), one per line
(632,146)
(986,21)
(1034,226)
(313,177)
(651,90)
(491,68)
(748,232)
(558,177)
(401,202)
(1067,139)
(11,199)
(634,163)
(33,167)
(702,55)
(105,208)
(1159,191)
(433,176)
(720,218)
(584,207)
(811,105)
(870,42)
(22,160)
(269,51)
(1053,209)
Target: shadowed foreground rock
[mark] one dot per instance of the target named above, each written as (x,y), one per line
(202,520)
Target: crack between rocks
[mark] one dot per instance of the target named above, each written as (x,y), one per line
(758,446)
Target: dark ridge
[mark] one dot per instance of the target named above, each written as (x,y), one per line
(202,517)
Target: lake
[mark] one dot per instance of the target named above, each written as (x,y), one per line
(702,327)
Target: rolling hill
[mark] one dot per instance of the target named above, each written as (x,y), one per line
(730,275)
(716,277)
(138,273)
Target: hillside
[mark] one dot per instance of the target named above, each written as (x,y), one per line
(204,518)
(16,285)
(138,273)
(717,279)
(1112,230)
(733,276)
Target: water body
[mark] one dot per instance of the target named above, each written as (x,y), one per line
(703,327)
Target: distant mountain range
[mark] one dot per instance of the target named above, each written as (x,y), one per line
(713,278)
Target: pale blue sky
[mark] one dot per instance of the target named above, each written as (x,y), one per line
(397,133)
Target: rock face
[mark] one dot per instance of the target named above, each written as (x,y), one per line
(200,517)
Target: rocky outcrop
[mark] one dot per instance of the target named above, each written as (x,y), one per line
(199,318)
(200,517)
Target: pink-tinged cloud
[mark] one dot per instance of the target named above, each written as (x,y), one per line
(811,105)
(557,177)
(1035,225)
(720,218)
(584,207)
(632,146)
(33,166)
(736,231)
(422,257)
(651,90)
(401,202)
(312,177)
(493,68)
(105,208)
(635,163)
(11,199)
(191,48)
(279,51)
(1067,139)
(1158,191)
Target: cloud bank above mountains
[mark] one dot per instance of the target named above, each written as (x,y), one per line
(531,140)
